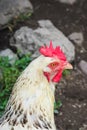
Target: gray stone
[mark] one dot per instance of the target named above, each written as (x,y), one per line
(83,66)
(12,8)
(84,127)
(27,39)
(10,54)
(71,2)
(77,38)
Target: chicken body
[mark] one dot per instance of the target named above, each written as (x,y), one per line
(31,104)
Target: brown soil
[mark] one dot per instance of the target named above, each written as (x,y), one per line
(72,90)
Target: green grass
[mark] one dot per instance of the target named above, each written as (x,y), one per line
(8,76)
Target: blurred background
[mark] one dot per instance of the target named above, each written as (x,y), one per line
(24,27)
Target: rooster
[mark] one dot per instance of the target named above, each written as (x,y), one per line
(31,104)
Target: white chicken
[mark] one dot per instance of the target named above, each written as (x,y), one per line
(31,104)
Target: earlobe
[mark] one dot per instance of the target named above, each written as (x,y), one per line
(47,75)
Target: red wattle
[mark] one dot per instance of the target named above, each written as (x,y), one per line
(57,77)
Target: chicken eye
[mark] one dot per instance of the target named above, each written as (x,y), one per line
(53,65)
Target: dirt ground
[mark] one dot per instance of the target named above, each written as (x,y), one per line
(72,90)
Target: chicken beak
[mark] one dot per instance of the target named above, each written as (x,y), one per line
(68,66)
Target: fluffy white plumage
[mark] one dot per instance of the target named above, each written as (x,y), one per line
(31,104)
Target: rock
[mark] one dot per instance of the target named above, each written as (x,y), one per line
(12,8)
(84,127)
(77,38)
(27,39)
(10,54)
(71,2)
(83,66)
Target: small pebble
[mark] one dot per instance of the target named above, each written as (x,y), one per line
(77,38)
(83,66)
(71,2)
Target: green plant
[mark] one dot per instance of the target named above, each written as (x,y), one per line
(66,72)
(19,18)
(9,76)
(23,16)
(57,105)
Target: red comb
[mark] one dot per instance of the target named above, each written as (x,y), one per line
(52,52)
